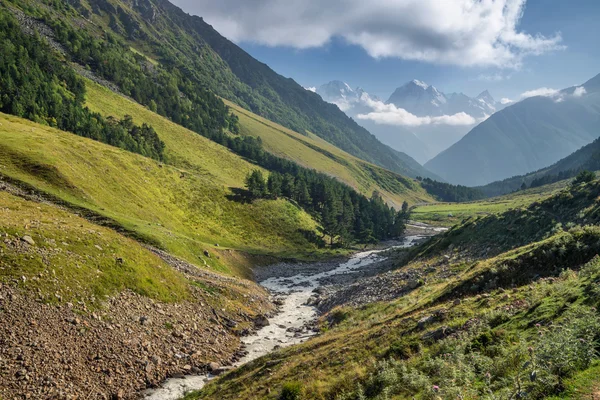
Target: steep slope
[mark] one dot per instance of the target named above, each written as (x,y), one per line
(181,210)
(586,158)
(94,301)
(467,322)
(533,134)
(167,35)
(313,152)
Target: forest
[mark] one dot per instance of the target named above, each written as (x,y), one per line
(54,94)
(345,215)
(448,192)
(36,85)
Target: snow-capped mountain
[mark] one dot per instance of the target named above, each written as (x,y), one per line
(356,101)
(429,135)
(422,100)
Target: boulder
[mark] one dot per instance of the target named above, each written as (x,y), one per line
(261,321)
(29,240)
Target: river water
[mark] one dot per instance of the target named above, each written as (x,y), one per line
(289,326)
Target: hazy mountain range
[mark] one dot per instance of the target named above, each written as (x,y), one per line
(416,119)
(524,137)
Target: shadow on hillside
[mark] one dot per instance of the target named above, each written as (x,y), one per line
(239,195)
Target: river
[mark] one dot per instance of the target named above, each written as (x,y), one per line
(291,325)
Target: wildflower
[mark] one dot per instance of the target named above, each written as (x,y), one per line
(436,388)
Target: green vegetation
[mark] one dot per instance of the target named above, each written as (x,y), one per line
(312,152)
(344,214)
(192,57)
(73,259)
(447,192)
(520,321)
(182,211)
(36,85)
(449,214)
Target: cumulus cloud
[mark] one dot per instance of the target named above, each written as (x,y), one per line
(459,32)
(389,114)
(543,91)
(311,89)
(506,100)
(579,91)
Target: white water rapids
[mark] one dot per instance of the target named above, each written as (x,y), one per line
(287,327)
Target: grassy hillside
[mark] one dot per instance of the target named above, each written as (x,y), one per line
(449,214)
(521,320)
(167,42)
(183,210)
(313,152)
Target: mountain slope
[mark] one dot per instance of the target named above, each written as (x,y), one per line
(157,28)
(313,152)
(533,134)
(485,309)
(586,158)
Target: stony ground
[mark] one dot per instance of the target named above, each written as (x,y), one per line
(69,352)
(52,349)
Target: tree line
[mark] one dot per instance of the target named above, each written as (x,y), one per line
(36,85)
(168,89)
(448,192)
(345,215)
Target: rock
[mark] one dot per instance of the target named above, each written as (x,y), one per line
(423,322)
(261,321)
(98,247)
(206,253)
(221,370)
(213,366)
(457,302)
(29,240)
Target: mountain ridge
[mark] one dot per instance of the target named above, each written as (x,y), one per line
(533,133)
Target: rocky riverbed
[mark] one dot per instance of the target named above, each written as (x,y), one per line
(298,288)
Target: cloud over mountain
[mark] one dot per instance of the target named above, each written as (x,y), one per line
(460,32)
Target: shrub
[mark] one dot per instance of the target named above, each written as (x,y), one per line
(291,391)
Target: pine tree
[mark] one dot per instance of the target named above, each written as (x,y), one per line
(274,184)
(255,183)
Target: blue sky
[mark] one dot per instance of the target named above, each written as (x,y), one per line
(376,61)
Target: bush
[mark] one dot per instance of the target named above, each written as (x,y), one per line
(291,391)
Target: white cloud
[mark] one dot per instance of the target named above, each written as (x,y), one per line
(459,32)
(506,101)
(579,91)
(389,114)
(311,89)
(493,77)
(543,91)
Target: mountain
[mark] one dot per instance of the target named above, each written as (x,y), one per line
(423,100)
(355,101)
(237,76)
(424,140)
(532,134)
(587,158)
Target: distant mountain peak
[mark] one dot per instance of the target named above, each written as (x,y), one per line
(420,84)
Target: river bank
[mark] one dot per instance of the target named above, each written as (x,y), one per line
(298,289)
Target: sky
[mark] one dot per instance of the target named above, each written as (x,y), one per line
(508,47)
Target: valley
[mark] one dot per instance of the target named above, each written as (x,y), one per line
(179,221)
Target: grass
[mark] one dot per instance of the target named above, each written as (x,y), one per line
(449,214)
(75,259)
(183,211)
(313,152)
(504,298)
